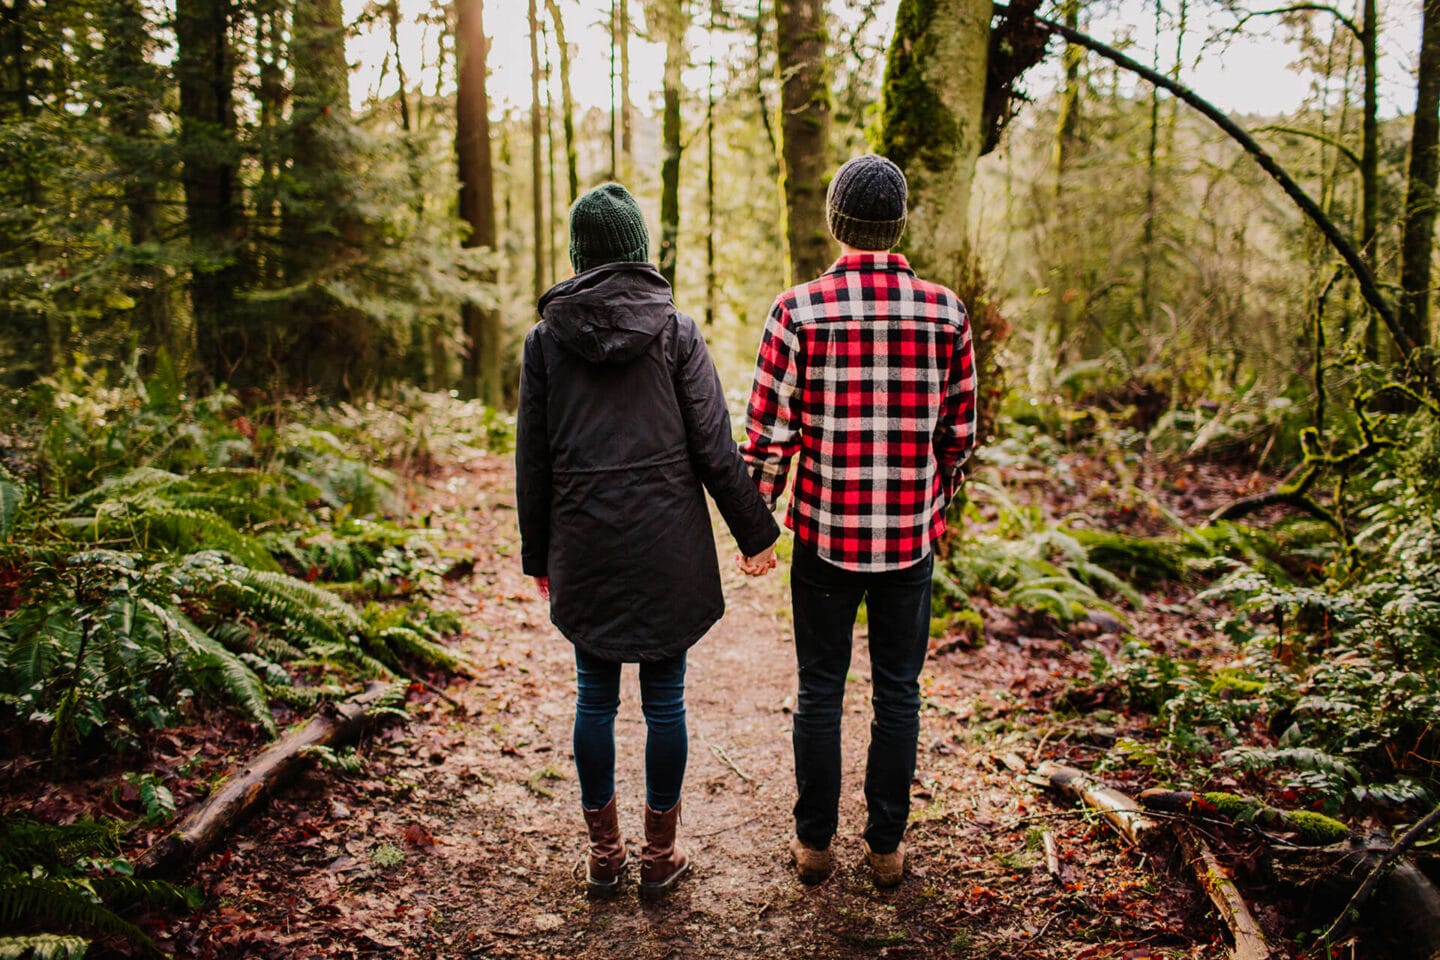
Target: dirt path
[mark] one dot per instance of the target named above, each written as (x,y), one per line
(462,837)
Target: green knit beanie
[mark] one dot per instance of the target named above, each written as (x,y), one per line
(606,226)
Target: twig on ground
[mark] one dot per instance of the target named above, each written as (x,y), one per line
(1052,855)
(726,829)
(724,758)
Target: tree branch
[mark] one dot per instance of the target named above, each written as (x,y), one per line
(1369,288)
(1345,21)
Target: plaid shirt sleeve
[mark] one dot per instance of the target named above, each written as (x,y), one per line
(955,430)
(772,422)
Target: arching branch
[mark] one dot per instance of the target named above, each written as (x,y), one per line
(1369,288)
(1345,21)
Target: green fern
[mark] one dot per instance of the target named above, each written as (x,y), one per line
(11,496)
(43,946)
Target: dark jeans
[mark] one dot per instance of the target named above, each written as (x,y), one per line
(662,699)
(825,599)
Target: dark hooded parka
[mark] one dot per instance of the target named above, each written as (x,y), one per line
(622,427)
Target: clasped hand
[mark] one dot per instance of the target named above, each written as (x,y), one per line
(758,565)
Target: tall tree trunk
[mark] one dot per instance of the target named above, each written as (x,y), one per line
(205,70)
(537,166)
(614,74)
(1417,244)
(1066,127)
(1370,156)
(762,102)
(550,243)
(272,94)
(1147,245)
(332,346)
(804,133)
(567,101)
(627,108)
(134,90)
(671,18)
(710,290)
(931,123)
(477,195)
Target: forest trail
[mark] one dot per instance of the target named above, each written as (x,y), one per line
(462,836)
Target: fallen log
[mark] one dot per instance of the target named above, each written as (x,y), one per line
(1123,813)
(240,793)
(1127,817)
(1215,881)
(1310,829)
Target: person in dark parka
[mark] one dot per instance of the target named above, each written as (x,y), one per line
(622,428)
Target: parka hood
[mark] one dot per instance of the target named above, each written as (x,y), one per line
(609,314)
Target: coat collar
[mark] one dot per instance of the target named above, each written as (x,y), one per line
(871,263)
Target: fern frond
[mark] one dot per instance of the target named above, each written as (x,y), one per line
(71,903)
(133,487)
(216,667)
(43,946)
(312,611)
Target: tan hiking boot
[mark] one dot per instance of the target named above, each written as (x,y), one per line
(608,859)
(812,865)
(662,863)
(888,869)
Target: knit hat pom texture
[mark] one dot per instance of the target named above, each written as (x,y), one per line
(865,205)
(606,226)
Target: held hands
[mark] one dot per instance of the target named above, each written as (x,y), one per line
(758,565)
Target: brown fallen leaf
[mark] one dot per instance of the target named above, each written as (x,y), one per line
(419,836)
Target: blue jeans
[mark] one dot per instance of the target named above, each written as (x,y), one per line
(825,599)
(662,699)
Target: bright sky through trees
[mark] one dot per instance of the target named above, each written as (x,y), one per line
(1251,74)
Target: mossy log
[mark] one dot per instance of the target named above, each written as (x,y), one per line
(239,794)
(1308,828)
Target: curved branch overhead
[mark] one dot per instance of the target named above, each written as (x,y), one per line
(1369,286)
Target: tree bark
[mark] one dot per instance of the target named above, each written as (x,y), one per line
(1370,156)
(205,824)
(1067,125)
(567,101)
(670,17)
(1417,244)
(627,108)
(804,133)
(537,165)
(134,90)
(710,290)
(932,124)
(477,196)
(205,71)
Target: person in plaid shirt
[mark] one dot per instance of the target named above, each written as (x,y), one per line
(867,375)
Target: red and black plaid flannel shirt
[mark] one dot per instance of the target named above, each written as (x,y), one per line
(868,373)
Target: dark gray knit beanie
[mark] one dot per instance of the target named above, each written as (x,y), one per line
(865,205)
(606,226)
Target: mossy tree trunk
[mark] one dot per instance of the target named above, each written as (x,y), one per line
(804,132)
(932,124)
(1417,244)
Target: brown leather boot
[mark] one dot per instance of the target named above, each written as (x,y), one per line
(607,851)
(662,863)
